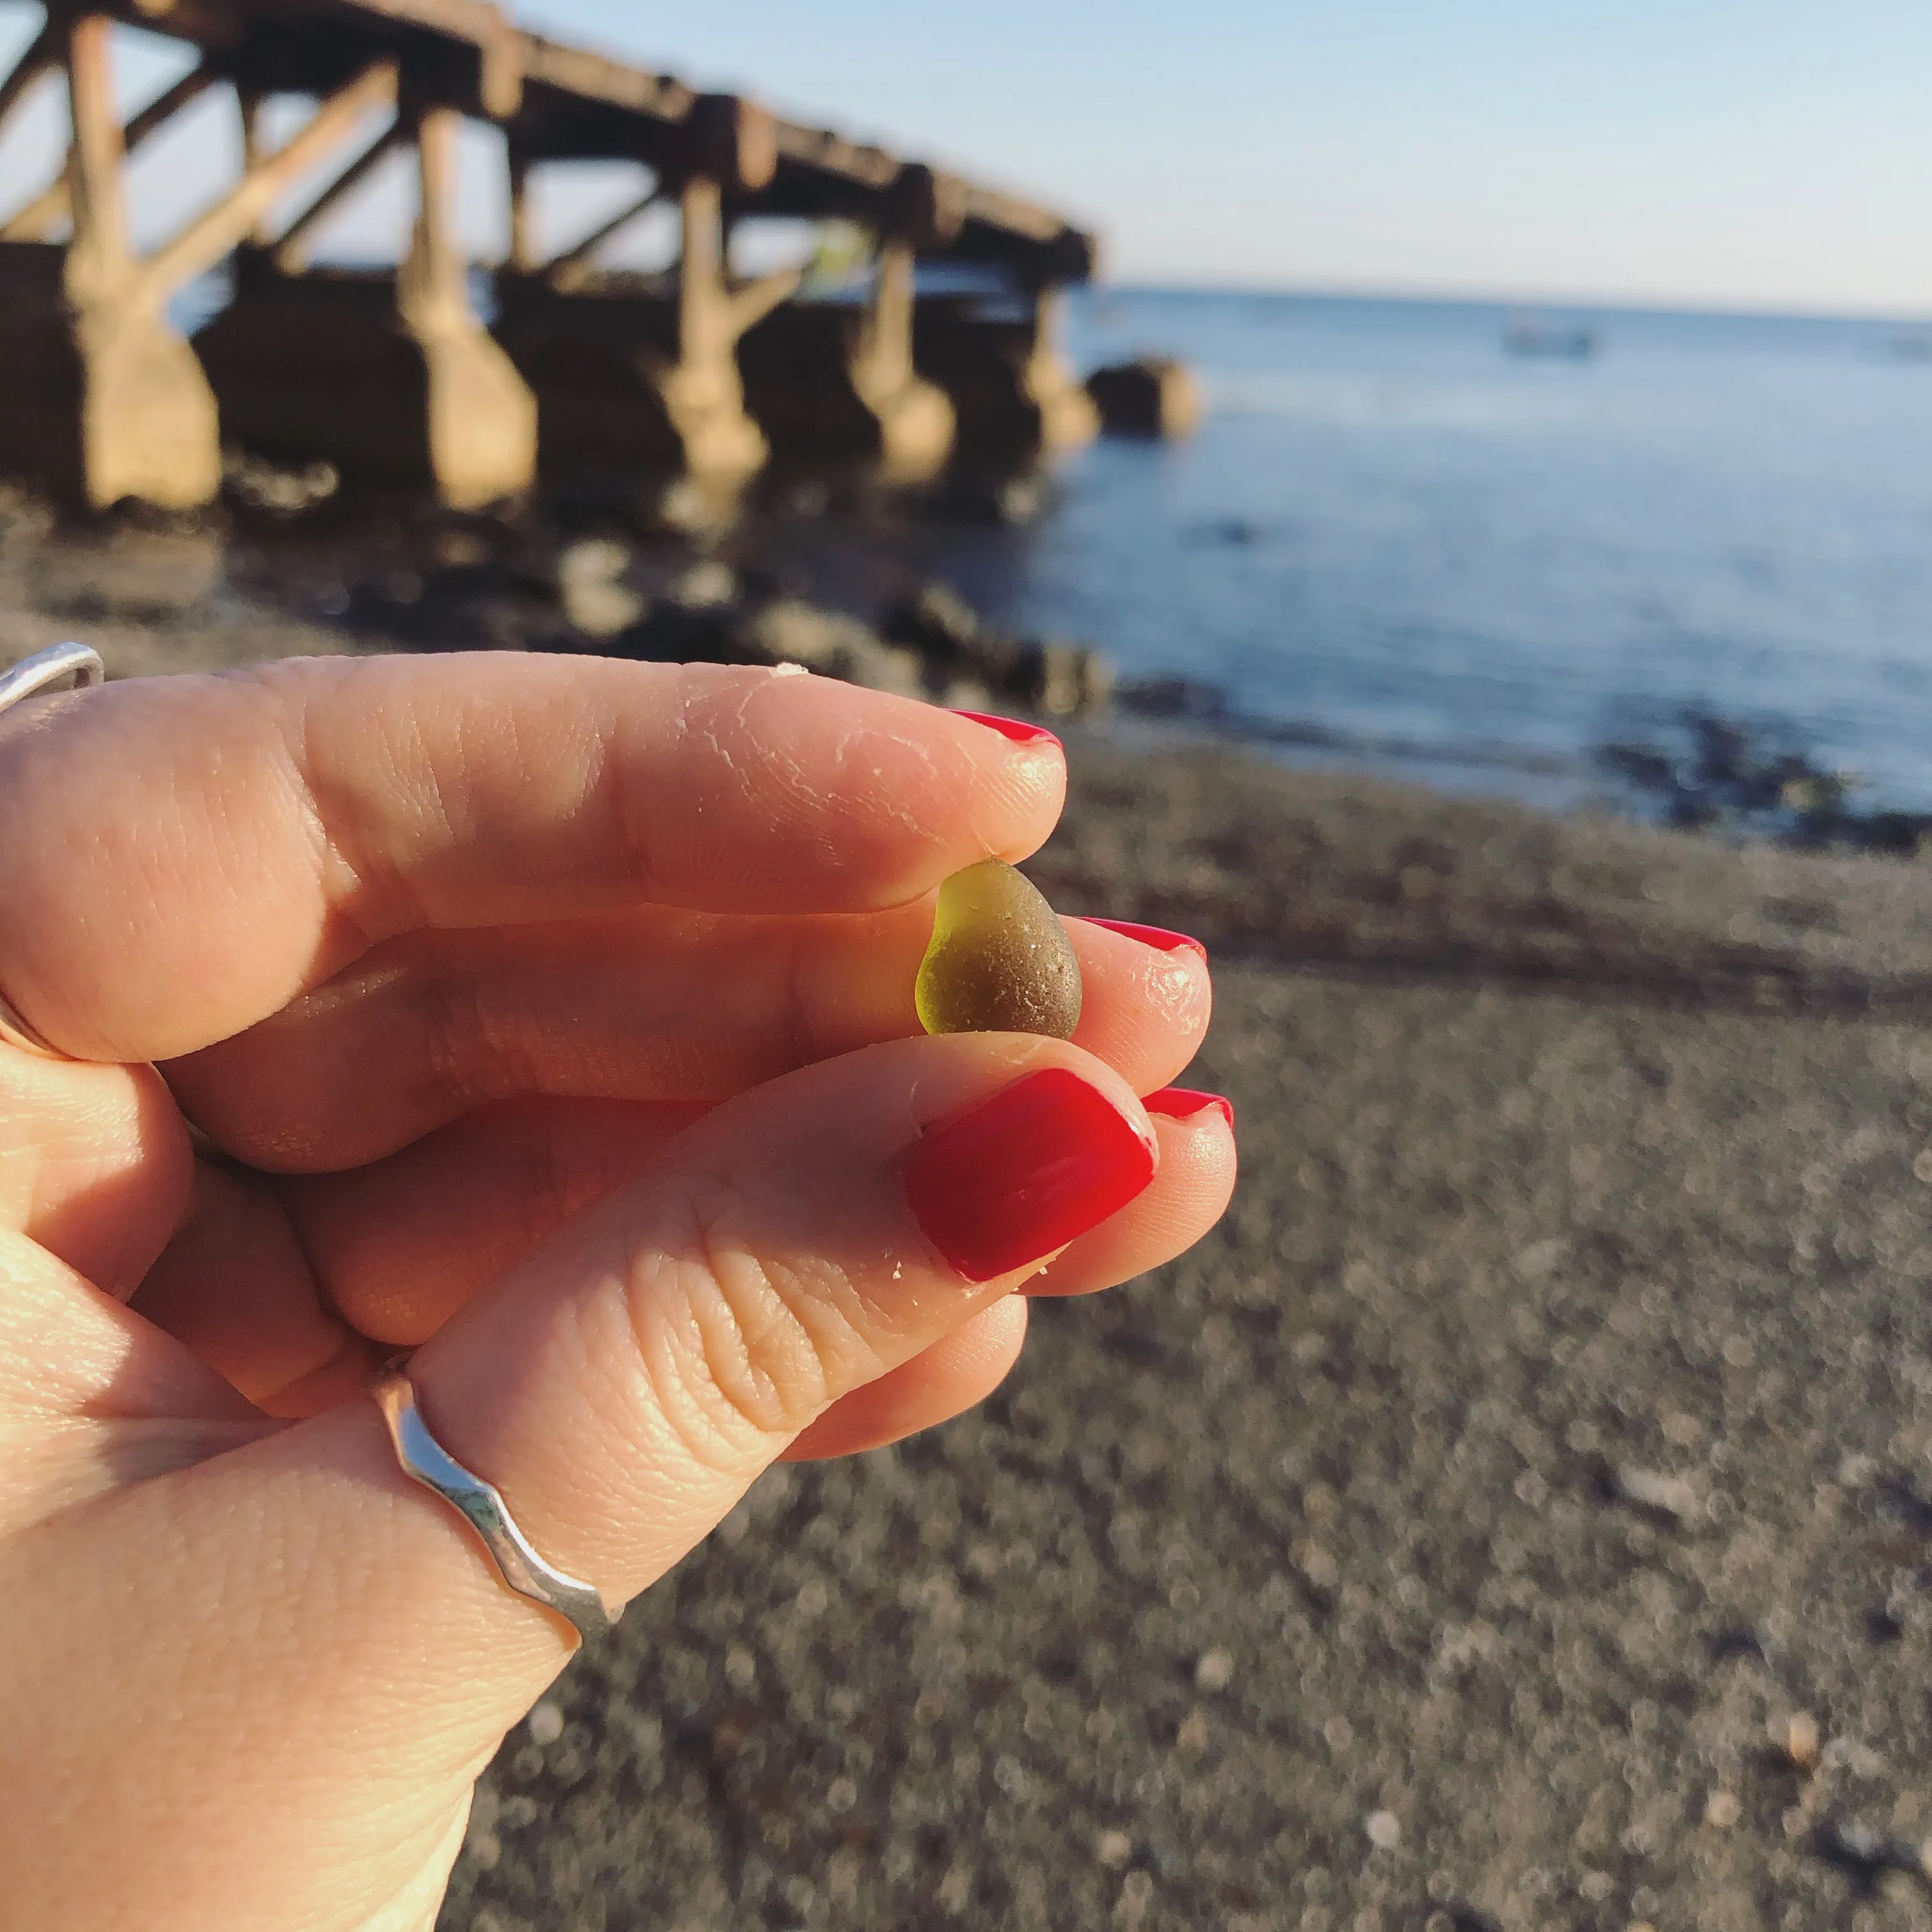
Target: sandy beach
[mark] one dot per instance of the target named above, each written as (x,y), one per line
(1518,1515)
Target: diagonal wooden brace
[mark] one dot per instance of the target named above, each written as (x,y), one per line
(41,57)
(747,306)
(53,204)
(291,251)
(216,233)
(572,269)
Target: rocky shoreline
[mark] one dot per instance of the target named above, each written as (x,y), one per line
(283,570)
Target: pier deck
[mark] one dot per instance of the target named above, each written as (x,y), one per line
(394,378)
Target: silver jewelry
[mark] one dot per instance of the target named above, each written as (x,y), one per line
(28,678)
(522,1570)
(35,673)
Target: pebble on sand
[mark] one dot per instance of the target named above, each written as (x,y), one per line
(1384,1830)
(1671,1495)
(1801,1741)
(1722,1810)
(1215,1671)
(545,1723)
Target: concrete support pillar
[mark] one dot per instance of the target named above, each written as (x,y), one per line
(635,384)
(914,416)
(703,394)
(97,260)
(482,419)
(395,382)
(1068,418)
(524,258)
(100,399)
(832,383)
(1015,397)
(148,424)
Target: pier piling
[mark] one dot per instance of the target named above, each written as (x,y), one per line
(390,374)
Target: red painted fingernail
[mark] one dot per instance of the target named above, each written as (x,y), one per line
(1022,1173)
(1156,936)
(1021,733)
(1183,1103)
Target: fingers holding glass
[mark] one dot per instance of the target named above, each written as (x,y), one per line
(269,827)
(655,1004)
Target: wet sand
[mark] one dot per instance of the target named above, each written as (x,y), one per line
(1518,1514)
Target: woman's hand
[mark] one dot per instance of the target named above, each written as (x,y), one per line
(553,1018)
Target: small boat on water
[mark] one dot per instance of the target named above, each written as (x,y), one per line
(1530,334)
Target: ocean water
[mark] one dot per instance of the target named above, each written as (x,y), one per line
(1408,547)
(1393,544)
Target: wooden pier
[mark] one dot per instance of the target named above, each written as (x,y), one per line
(586,375)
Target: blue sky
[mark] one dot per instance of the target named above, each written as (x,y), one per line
(1776,154)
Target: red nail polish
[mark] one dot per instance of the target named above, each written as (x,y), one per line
(1158,937)
(1183,1103)
(1019,732)
(1024,1173)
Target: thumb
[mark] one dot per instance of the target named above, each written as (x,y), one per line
(321,1651)
(631,1381)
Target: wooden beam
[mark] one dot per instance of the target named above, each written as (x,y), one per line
(42,55)
(749,305)
(885,338)
(98,264)
(432,288)
(570,269)
(214,235)
(293,250)
(251,103)
(522,164)
(576,74)
(54,203)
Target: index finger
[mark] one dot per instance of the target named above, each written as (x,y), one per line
(185,855)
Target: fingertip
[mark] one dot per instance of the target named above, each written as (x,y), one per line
(1146,1007)
(1191,1190)
(1189,1104)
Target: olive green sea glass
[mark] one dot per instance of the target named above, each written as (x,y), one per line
(1000,961)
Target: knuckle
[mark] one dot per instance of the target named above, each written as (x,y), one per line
(739,1346)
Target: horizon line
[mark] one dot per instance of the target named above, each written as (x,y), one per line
(1739,309)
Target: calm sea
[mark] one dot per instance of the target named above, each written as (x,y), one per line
(1434,554)
(1394,543)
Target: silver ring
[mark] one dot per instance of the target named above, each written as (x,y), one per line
(523,1572)
(34,674)
(28,678)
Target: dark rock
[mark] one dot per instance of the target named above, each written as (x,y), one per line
(1154,396)
(955,644)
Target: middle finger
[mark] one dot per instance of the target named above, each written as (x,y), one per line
(658,1004)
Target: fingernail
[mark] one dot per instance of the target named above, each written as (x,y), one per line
(1158,937)
(1183,1103)
(1024,1173)
(1021,733)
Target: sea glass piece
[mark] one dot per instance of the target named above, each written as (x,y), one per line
(1000,961)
